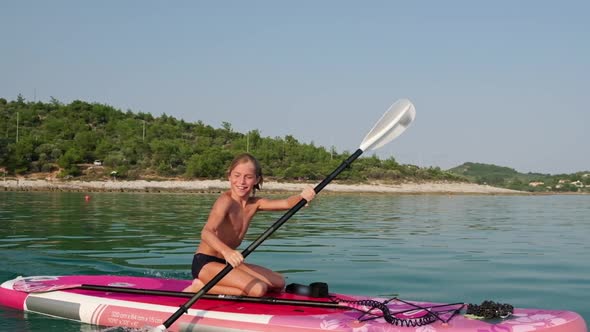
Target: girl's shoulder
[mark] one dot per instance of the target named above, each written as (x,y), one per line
(224,199)
(255,200)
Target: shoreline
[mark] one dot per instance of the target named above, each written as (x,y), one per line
(216,186)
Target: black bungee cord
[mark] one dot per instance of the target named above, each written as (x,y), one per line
(429,318)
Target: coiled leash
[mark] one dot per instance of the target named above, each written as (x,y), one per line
(490,310)
(372,309)
(415,316)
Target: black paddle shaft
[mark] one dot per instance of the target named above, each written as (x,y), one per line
(277,224)
(230,298)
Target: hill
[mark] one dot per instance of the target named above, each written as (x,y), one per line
(506,177)
(92,141)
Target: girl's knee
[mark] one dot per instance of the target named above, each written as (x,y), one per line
(279,283)
(258,289)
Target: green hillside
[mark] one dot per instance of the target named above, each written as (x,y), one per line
(506,177)
(92,141)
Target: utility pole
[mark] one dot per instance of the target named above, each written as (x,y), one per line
(143,136)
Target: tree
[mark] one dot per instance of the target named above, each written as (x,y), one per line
(211,164)
(68,162)
(226,126)
(165,155)
(55,102)
(390,163)
(253,139)
(20,100)
(20,155)
(86,143)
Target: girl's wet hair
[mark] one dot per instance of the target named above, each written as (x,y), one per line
(244,158)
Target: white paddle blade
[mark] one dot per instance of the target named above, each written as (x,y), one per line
(397,118)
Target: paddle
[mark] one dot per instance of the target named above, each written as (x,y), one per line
(46,286)
(233,298)
(397,118)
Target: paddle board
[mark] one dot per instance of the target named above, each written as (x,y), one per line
(73,297)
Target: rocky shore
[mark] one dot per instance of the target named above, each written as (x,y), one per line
(212,186)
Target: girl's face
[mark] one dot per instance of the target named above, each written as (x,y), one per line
(243,179)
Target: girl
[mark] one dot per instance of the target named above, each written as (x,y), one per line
(226,227)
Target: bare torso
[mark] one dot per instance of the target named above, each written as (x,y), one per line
(234,223)
(225,230)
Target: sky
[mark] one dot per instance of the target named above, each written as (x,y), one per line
(500,82)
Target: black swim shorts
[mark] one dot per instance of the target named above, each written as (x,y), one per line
(200,260)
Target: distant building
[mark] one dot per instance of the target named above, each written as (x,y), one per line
(97,163)
(536,183)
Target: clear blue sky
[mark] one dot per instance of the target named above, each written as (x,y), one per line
(501,82)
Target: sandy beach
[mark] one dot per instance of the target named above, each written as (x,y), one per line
(206,186)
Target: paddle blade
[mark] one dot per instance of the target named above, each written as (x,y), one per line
(40,284)
(397,118)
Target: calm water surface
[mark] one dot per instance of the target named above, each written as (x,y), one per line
(530,251)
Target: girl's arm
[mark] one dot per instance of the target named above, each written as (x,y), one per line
(284,204)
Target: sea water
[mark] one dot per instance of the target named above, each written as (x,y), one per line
(529,251)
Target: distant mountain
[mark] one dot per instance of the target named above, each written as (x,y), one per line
(475,170)
(507,177)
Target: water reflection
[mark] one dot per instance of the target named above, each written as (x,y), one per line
(528,250)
